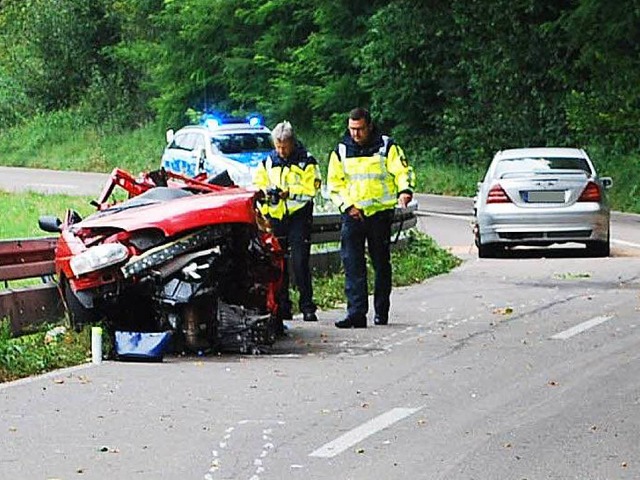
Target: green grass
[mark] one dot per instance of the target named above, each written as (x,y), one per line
(448,178)
(38,353)
(419,259)
(62,141)
(30,354)
(422,258)
(20,212)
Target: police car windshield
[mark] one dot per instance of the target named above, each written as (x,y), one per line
(230,143)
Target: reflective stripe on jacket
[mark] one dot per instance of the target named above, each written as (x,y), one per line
(370,177)
(298,175)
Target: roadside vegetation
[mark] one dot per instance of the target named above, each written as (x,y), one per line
(20,212)
(46,349)
(85,148)
(64,141)
(464,80)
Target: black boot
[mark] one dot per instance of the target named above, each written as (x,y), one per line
(381,319)
(309,317)
(352,322)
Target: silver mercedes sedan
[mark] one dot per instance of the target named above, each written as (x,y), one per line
(541,196)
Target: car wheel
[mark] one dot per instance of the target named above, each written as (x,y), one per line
(599,249)
(79,316)
(487,250)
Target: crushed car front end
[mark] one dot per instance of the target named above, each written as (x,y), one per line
(202,265)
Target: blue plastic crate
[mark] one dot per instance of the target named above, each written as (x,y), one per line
(142,345)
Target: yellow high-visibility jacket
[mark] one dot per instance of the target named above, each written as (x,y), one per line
(369,178)
(298,175)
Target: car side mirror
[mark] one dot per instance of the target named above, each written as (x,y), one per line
(169,134)
(50,223)
(607,182)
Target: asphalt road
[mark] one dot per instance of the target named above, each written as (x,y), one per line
(15,179)
(522,367)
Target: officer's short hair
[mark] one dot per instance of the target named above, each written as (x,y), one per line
(283,132)
(359,113)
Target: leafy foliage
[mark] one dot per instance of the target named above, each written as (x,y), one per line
(603,42)
(458,79)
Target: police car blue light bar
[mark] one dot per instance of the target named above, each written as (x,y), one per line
(215,120)
(255,120)
(212,122)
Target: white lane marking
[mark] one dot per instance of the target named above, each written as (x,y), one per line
(53,185)
(349,439)
(581,327)
(224,445)
(470,218)
(465,218)
(625,243)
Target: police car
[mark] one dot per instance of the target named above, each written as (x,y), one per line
(217,145)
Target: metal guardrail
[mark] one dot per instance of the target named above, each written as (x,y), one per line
(326,229)
(25,306)
(28,258)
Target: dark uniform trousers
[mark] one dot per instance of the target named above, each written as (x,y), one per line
(294,234)
(376,230)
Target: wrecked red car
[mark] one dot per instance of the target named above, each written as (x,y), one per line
(173,254)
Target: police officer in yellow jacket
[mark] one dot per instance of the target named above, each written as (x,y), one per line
(368,176)
(290,178)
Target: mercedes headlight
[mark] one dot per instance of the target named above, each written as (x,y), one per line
(98,257)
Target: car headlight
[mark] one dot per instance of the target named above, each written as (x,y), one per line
(98,257)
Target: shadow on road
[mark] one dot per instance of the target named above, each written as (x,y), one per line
(560,252)
(301,340)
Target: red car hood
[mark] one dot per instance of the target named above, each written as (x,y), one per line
(182,214)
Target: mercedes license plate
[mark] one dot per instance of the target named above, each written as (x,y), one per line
(545,196)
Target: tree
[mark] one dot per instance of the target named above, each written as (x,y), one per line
(318,84)
(602,41)
(407,60)
(66,38)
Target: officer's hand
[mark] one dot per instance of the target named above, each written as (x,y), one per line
(404,199)
(355,213)
(284,194)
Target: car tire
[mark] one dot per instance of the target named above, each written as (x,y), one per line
(599,249)
(79,316)
(487,250)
